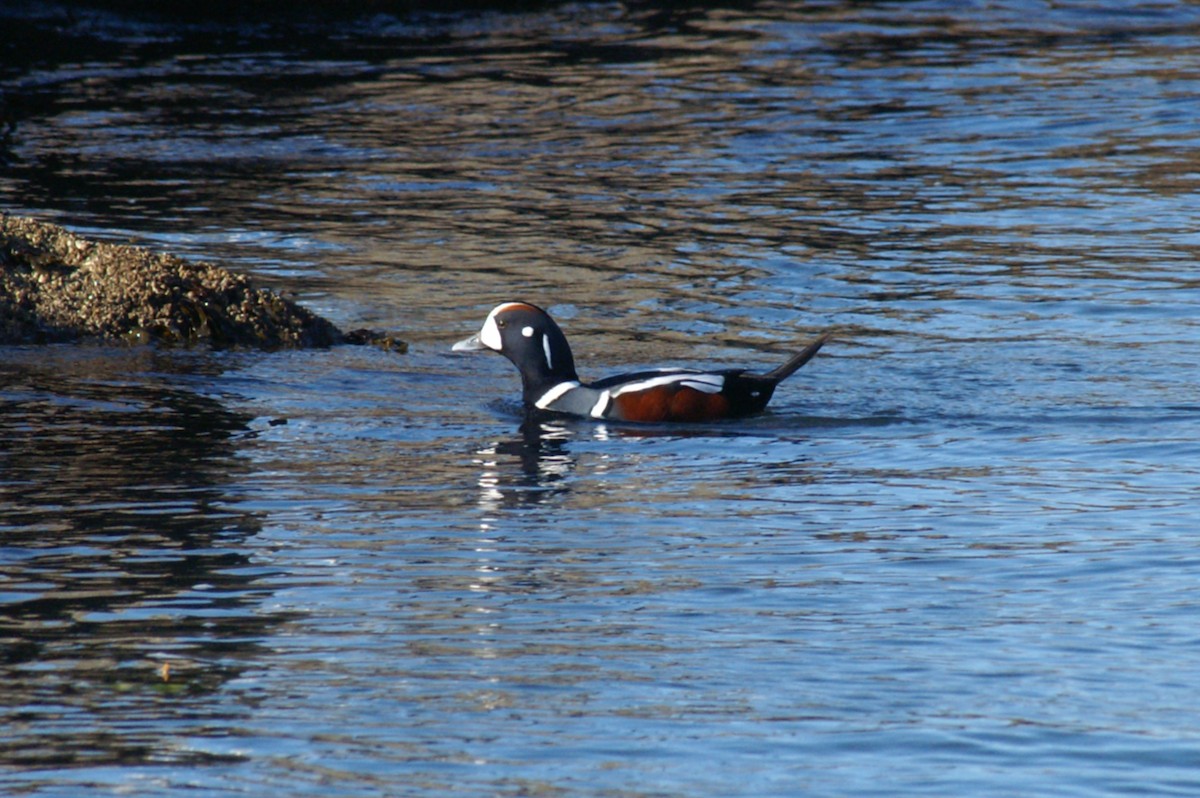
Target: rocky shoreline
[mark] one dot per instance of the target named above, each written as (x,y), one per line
(56,286)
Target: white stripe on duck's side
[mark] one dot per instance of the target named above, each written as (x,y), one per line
(706,383)
(602,404)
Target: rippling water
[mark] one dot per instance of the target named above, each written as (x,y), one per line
(956,558)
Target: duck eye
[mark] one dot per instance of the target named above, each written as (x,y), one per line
(501,323)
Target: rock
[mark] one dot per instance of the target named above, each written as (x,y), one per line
(56,286)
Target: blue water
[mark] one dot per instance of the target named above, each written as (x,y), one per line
(956,557)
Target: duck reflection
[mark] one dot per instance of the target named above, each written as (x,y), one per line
(531,468)
(535,466)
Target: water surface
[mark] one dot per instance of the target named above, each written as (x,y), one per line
(957,557)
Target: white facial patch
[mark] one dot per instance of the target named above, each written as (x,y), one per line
(489,336)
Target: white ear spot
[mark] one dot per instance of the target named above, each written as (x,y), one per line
(527,332)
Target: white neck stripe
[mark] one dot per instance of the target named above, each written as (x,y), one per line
(555,393)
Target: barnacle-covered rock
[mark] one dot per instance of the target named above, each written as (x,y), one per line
(57,286)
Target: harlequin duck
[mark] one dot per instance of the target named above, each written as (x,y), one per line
(527,336)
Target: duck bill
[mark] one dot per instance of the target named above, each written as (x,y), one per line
(472,344)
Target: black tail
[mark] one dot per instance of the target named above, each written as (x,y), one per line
(792,366)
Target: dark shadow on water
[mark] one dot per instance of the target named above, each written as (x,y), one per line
(127,597)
